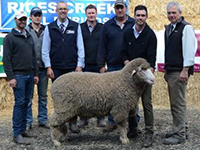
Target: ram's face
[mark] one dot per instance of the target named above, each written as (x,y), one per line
(146,75)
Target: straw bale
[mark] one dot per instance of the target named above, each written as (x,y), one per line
(159,94)
(6,95)
(157,14)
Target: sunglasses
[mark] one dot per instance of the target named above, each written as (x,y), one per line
(119,7)
(138,15)
(37,15)
(22,19)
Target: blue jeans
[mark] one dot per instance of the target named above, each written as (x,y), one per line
(42,100)
(23,94)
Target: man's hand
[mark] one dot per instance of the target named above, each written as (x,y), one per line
(102,70)
(126,62)
(184,74)
(50,73)
(36,80)
(78,69)
(13,83)
(152,69)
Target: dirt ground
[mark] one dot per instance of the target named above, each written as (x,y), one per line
(92,138)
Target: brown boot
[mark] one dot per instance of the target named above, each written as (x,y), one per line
(28,135)
(20,140)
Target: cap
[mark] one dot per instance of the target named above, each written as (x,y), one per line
(120,2)
(35,10)
(20,14)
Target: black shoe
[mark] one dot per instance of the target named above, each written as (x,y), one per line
(28,135)
(132,133)
(74,128)
(170,134)
(20,140)
(148,141)
(173,141)
(46,125)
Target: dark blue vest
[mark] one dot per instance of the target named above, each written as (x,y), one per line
(63,51)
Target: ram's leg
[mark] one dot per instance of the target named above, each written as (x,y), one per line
(123,132)
(58,127)
(58,134)
(120,119)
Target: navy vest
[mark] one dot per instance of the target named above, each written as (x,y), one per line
(91,42)
(63,51)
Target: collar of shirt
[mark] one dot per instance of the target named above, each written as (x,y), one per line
(135,32)
(121,26)
(174,25)
(40,30)
(90,27)
(64,23)
(21,32)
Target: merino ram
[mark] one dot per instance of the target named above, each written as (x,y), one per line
(94,95)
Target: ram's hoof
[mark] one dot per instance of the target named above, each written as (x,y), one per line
(124,141)
(56,143)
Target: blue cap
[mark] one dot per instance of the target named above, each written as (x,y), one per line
(36,10)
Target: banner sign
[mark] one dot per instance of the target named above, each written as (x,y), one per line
(76,11)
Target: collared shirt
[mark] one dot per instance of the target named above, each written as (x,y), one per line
(189,44)
(172,29)
(135,32)
(90,27)
(46,46)
(117,22)
(64,23)
(21,32)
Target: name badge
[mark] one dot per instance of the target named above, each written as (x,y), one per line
(70,31)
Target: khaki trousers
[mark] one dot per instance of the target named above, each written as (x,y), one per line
(177,92)
(148,109)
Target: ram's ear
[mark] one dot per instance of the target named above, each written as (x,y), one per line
(136,70)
